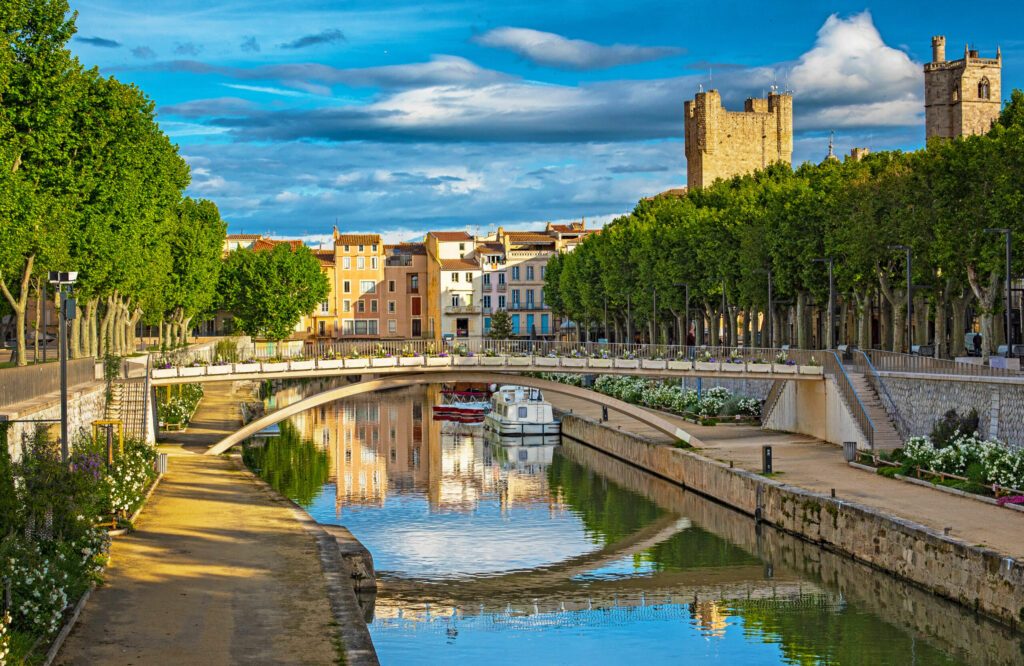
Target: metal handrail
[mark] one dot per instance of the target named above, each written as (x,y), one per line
(774,393)
(883,392)
(834,366)
(886,361)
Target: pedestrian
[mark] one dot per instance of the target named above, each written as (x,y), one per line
(977,344)
(691,338)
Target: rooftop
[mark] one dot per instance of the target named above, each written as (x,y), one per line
(459,265)
(270,244)
(451,235)
(232,237)
(357,239)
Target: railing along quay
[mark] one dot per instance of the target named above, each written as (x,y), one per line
(32,381)
(885,361)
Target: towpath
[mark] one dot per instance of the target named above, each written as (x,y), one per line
(217,571)
(819,466)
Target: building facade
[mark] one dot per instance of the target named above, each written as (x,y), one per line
(405,274)
(723,144)
(961,97)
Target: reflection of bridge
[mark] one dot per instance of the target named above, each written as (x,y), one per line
(457,375)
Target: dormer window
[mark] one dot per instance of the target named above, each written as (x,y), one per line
(984,90)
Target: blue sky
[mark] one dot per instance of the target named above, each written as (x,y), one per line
(396,116)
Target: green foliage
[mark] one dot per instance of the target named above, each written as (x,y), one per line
(501,326)
(982,461)
(951,425)
(179,409)
(295,467)
(269,291)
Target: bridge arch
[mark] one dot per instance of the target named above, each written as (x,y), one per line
(400,381)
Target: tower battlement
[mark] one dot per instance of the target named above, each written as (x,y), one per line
(961,96)
(722,144)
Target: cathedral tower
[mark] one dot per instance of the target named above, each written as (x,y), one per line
(961,96)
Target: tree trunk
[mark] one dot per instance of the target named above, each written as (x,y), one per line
(20,305)
(802,337)
(921,312)
(897,301)
(986,305)
(959,303)
(39,320)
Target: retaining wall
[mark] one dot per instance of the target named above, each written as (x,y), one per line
(85,405)
(921,402)
(975,577)
(816,409)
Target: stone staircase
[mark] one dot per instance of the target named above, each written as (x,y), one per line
(886,437)
(128,404)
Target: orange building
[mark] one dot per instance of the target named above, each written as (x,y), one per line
(405,289)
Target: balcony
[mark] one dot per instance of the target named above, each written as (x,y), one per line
(527,306)
(461,309)
(502,286)
(487,310)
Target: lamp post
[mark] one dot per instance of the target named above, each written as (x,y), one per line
(654,314)
(1008,233)
(60,279)
(722,331)
(606,318)
(629,319)
(828,261)
(910,293)
(686,314)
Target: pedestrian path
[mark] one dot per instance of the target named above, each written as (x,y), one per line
(819,466)
(217,572)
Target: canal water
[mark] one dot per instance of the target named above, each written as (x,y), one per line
(502,554)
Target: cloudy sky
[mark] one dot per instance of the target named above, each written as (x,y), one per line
(400,116)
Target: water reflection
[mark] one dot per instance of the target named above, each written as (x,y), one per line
(508,554)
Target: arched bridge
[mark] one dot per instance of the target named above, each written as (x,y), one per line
(454,375)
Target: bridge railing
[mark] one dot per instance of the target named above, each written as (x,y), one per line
(886,361)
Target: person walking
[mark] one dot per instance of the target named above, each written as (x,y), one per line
(977,344)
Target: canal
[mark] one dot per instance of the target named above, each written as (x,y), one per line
(500,554)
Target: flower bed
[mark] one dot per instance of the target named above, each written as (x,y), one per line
(55,542)
(177,411)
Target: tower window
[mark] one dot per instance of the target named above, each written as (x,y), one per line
(956,92)
(984,90)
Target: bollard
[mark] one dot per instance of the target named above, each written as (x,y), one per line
(849,451)
(161,463)
(604,413)
(766,459)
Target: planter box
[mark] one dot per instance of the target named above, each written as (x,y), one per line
(759,367)
(302,365)
(160,373)
(492,360)
(599,362)
(783,369)
(247,367)
(384,362)
(520,360)
(410,360)
(357,362)
(653,364)
(275,367)
(465,360)
(713,366)
(330,363)
(436,361)
(734,367)
(567,362)
(680,365)
(219,370)
(546,361)
(192,372)
(627,363)
(811,370)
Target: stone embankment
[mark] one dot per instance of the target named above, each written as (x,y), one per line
(976,577)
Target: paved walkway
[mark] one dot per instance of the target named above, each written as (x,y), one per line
(217,572)
(819,466)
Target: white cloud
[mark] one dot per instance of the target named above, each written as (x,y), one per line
(266,89)
(553,50)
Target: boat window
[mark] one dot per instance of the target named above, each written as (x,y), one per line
(522,412)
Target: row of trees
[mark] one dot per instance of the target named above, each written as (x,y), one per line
(725,240)
(89,182)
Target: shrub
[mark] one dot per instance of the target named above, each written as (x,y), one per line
(952,424)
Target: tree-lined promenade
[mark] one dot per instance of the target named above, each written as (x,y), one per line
(89,182)
(942,203)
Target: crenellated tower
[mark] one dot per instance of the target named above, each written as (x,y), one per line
(961,96)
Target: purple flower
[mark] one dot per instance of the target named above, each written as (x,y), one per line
(1010,499)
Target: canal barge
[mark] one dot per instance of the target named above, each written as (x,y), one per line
(519,411)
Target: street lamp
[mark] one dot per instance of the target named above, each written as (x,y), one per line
(60,279)
(723,331)
(1009,302)
(828,261)
(910,292)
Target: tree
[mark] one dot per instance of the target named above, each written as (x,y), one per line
(501,326)
(268,291)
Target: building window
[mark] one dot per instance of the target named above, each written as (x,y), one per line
(487,325)
(346,248)
(545,324)
(325,307)
(487,302)
(374,247)
(322,326)
(487,279)
(501,302)
(455,277)
(455,301)
(515,272)
(373,305)
(462,247)
(391,306)
(392,328)
(360,306)
(469,278)
(361,248)
(414,283)
(346,287)
(367,287)
(529,272)
(346,263)
(515,297)
(359,327)
(501,277)
(346,305)
(515,324)
(373,263)
(984,90)
(543,272)
(529,298)
(360,263)
(391,286)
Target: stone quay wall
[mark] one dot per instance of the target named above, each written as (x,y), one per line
(921,402)
(85,405)
(978,578)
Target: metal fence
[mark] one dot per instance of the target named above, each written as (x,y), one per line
(834,368)
(864,366)
(885,361)
(32,381)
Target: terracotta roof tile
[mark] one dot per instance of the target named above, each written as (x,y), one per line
(529,237)
(357,239)
(451,235)
(243,237)
(490,246)
(326,257)
(407,248)
(269,244)
(459,265)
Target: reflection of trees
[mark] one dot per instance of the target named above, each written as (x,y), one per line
(293,466)
(607,510)
(696,548)
(813,630)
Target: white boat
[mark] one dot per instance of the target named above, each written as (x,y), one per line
(519,411)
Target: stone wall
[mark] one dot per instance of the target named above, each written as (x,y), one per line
(921,402)
(974,577)
(751,388)
(816,409)
(85,405)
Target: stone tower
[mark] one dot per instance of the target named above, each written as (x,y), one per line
(722,144)
(961,96)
